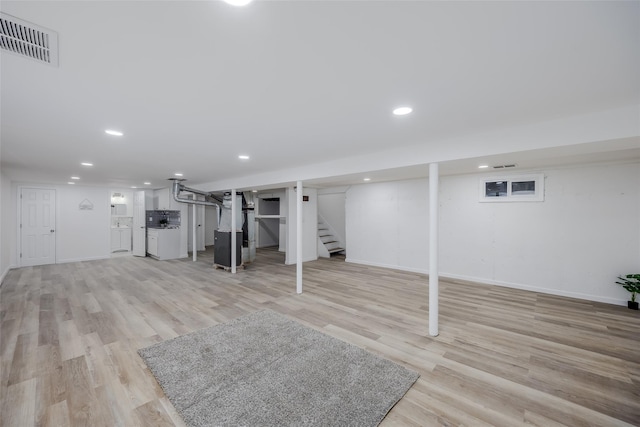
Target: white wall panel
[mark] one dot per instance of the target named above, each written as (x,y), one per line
(574,243)
(387,224)
(83,234)
(309,226)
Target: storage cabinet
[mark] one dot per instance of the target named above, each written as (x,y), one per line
(120,239)
(163,243)
(163,200)
(152,244)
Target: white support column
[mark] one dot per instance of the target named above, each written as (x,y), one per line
(433,249)
(194,246)
(299,237)
(233,231)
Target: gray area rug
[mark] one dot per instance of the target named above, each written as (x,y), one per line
(264,369)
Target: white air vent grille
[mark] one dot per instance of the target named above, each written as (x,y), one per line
(27,39)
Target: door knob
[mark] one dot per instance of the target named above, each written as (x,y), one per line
(52,231)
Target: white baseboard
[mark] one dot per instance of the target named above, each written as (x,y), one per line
(390,266)
(551,291)
(577,295)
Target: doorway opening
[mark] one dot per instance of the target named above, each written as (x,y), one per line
(270,224)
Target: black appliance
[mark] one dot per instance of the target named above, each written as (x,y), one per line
(222,248)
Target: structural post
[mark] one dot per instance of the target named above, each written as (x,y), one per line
(299,237)
(233,231)
(433,249)
(195,227)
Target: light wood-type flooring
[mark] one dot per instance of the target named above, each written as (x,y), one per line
(504,357)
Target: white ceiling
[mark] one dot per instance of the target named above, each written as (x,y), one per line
(194,84)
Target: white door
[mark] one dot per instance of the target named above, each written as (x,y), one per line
(200,226)
(139,230)
(37,226)
(210,224)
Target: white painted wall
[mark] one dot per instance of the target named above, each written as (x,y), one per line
(268,232)
(331,206)
(81,235)
(387,224)
(7,225)
(574,243)
(309,226)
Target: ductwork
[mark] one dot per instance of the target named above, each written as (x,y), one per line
(216,201)
(178,187)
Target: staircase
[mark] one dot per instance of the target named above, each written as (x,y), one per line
(328,244)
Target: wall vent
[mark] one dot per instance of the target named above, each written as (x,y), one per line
(28,40)
(505,166)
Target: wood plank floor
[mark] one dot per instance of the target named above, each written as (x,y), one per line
(69,335)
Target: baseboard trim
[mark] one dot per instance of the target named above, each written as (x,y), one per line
(389,266)
(557,292)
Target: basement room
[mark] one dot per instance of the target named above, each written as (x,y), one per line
(319,213)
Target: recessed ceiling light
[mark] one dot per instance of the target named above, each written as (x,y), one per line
(238,2)
(133,186)
(254,191)
(75,177)
(177,174)
(86,164)
(113,132)
(147,183)
(401,111)
(243,157)
(483,166)
(70,182)
(367,179)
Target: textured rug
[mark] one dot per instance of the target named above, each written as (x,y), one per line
(264,369)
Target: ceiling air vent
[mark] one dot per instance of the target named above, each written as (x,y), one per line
(29,40)
(505,166)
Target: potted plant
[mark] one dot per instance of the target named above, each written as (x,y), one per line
(631,282)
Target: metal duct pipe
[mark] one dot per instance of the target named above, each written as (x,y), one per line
(177,188)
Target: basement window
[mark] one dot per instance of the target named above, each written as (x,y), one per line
(514,188)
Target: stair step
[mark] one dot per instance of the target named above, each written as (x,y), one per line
(332,245)
(328,239)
